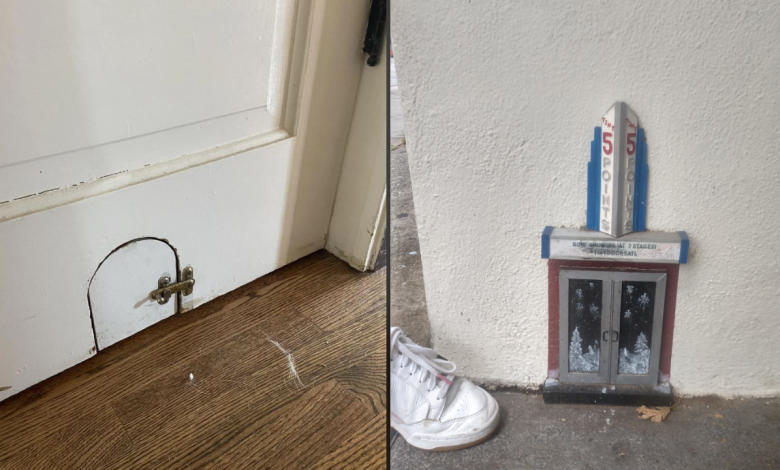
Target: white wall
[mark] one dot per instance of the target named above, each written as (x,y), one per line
(500,100)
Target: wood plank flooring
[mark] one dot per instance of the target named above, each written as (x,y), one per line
(134,406)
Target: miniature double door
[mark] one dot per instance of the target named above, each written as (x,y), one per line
(610,326)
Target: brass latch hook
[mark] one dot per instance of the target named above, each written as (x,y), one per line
(165,289)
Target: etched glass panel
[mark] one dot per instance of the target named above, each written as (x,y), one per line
(637,306)
(584,324)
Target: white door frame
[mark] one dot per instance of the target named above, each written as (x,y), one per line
(359,213)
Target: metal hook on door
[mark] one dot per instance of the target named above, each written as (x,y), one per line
(165,289)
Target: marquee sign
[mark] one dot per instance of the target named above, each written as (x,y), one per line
(617,174)
(638,247)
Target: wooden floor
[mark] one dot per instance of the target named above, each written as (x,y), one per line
(134,405)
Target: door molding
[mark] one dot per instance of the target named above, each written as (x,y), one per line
(109,183)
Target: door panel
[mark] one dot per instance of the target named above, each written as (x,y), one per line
(119,292)
(637,305)
(585,303)
(94,88)
(638,319)
(584,324)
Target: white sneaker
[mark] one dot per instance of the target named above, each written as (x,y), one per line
(430,410)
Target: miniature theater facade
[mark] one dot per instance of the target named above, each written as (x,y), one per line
(612,288)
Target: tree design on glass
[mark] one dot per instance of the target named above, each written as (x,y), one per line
(636,327)
(579,362)
(637,362)
(584,329)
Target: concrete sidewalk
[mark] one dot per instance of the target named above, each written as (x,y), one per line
(703,433)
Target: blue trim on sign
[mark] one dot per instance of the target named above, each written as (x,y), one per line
(546,242)
(640,186)
(684,242)
(594,180)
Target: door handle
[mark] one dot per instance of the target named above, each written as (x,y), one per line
(612,335)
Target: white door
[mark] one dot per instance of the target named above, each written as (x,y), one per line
(218,127)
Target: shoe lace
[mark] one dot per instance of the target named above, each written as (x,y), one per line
(422,360)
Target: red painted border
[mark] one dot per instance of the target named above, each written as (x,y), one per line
(554,267)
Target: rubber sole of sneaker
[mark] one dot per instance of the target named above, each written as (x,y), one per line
(455,447)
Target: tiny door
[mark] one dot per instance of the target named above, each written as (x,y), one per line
(119,292)
(585,296)
(610,326)
(637,316)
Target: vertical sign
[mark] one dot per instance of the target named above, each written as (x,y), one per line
(610,168)
(617,174)
(628,171)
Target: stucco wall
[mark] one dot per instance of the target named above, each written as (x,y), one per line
(500,100)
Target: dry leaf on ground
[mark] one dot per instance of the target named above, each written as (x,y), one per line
(655,415)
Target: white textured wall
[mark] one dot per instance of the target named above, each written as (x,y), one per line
(500,100)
